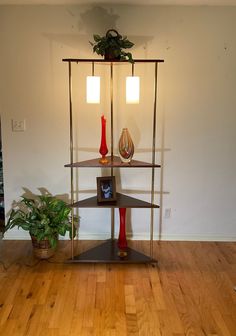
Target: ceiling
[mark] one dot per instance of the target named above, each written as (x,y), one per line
(130,2)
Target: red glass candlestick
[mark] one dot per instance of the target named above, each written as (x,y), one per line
(122,242)
(103,147)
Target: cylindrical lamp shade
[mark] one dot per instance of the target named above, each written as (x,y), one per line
(132,90)
(93,90)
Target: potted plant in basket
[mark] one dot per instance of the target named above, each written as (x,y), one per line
(111,46)
(45,217)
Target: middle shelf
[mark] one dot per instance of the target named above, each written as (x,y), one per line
(122,201)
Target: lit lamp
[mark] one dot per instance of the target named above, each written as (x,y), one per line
(132,88)
(93,88)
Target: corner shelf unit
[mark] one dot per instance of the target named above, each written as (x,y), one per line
(107,252)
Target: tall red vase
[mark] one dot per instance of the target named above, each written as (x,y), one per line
(122,242)
(103,147)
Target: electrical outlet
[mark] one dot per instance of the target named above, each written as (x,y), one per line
(167,213)
(18,125)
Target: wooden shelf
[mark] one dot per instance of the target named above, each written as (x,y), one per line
(108,253)
(122,201)
(114,162)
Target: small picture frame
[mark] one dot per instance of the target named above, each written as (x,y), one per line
(106,189)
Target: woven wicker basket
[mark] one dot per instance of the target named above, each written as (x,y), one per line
(42,249)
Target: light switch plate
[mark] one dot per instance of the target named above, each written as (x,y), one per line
(18,125)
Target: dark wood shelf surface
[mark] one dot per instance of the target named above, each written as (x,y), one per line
(122,201)
(114,162)
(101,60)
(108,253)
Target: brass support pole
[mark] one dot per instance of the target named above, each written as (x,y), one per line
(162,141)
(112,144)
(153,158)
(71,161)
(92,68)
(111,85)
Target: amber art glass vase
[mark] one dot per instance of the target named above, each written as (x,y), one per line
(126,146)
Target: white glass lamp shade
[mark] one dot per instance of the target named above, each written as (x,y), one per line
(132,89)
(93,90)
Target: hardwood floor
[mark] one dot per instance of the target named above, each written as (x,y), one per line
(190,292)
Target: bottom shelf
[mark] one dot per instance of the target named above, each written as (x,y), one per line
(108,253)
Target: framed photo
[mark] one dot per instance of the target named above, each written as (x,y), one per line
(106,189)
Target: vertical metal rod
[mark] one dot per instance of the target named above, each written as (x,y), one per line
(71,161)
(112,149)
(162,173)
(92,68)
(111,86)
(132,69)
(153,158)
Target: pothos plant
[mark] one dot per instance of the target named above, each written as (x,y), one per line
(44,217)
(111,46)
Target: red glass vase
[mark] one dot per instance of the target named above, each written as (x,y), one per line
(103,147)
(122,242)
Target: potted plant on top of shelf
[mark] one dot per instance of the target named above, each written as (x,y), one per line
(45,217)
(111,46)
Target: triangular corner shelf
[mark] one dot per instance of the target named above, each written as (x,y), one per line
(108,253)
(122,201)
(114,162)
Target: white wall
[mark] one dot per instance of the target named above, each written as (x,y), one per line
(196,107)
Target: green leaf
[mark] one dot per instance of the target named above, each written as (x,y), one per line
(53,242)
(70,232)
(62,230)
(24,226)
(97,38)
(40,236)
(127,44)
(129,55)
(48,230)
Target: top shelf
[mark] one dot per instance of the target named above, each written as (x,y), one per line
(114,161)
(100,60)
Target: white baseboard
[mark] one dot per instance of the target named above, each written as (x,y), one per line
(213,238)
(22,235)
